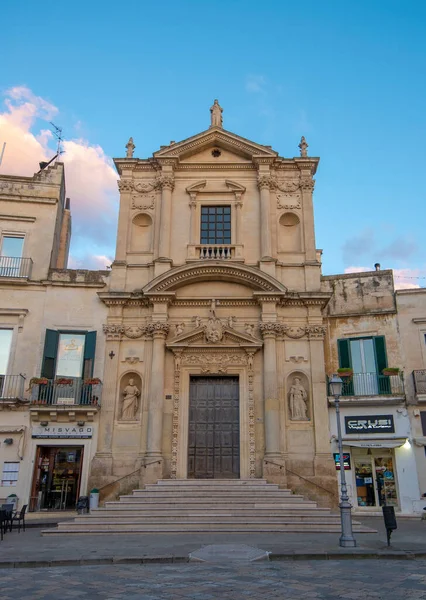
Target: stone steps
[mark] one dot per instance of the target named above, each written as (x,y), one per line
(206,506)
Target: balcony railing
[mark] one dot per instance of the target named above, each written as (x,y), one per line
(12,387)
(77,392)
(14,266)
(216,251)
(372,384)
(419,377)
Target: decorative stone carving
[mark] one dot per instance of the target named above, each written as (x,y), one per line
(264,181)
(298,397)
(158,327)
(230,322)
(130,403)
(214,362)
(113,332)
(125,185)
(249,329)
(179,328)
(132,360)
(293,332)
(285,185)
(197,322)
(287,201)
(216,115)
(316,332)
(134,332)
(166,181)
(307,184)
(270,328)
(130,147)
(303,147)
(213,330)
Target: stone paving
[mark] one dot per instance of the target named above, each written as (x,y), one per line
(305,580)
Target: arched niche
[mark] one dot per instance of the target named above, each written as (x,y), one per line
(130,397)
(298,395)
(289,233)
(141,233)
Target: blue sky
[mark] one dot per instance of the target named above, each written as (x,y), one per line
(350,76)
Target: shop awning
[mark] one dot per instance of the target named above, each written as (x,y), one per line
(376,443)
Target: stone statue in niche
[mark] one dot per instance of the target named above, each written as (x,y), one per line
(131,394)
(298,397)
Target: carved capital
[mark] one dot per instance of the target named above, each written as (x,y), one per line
(125,185)
(113,331)
(316,332)
(269,329)
(307,184)
(264,182)
(166,182)
(158,329)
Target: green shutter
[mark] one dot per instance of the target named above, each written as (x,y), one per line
(344,354)
(89,354)
(380,348)
(49,354)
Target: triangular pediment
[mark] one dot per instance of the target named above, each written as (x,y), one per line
(230,145)
(231,338)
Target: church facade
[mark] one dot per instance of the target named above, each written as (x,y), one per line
(214,349)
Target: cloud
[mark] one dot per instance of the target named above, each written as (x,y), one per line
(403,278)
(359,245)
(91,181)
(256,84)
(91,261)
(399,249)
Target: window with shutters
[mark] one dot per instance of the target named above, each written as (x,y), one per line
(367,358)
(68,354)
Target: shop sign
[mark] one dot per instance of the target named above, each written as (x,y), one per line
(368,424)
(346,461)
(63,432)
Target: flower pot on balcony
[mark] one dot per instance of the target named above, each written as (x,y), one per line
(389,371)
(344,372)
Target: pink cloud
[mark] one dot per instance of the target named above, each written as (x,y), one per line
(91,181)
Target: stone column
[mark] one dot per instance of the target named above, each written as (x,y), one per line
(264,182)
(307,186)
(156,399)
(272,412)
(166,183)
(238,207)
(192,219)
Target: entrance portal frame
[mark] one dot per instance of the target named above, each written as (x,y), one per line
(215,361)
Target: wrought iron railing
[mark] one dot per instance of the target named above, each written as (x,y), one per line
(419,377)
(15,266)
(216,251)
(53,392)
(372,384)
(12,387)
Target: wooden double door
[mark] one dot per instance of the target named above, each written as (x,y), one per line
(214,428)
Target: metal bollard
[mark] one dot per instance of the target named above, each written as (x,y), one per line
(390,520)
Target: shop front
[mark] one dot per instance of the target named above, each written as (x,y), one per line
(379,459)
(61,458)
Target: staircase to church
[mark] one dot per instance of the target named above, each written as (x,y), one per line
(236,505)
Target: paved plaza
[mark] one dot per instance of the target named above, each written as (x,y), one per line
(157,567)
(303,580)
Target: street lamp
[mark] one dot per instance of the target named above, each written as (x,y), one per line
(347,539)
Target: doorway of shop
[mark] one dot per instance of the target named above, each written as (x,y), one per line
(57,474)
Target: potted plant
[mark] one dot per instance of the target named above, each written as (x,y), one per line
(37,381)
(345,372)
(63,381)
(389,371)
(92,381)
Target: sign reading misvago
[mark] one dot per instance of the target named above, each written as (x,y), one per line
(64,432)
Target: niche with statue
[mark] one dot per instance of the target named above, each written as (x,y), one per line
(130,397)
(298,396)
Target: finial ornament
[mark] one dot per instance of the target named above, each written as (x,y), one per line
(216,115)
(303,147)
(130,148)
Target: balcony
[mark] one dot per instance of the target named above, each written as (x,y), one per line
(65,395)
(419,378)
(16,267)
(12,389)
(225,252)
(365,386)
